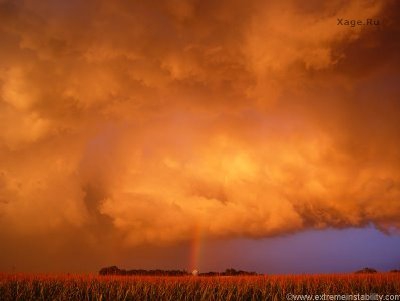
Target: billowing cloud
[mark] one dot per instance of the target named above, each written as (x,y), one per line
(137,122)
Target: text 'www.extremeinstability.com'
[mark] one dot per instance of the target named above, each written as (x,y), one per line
(344,297)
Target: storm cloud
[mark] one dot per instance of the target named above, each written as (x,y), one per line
(130,123)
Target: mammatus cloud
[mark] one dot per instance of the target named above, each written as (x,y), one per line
(139,122)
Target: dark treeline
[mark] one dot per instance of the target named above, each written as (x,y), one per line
(229,272)
(114,270)
(366,271)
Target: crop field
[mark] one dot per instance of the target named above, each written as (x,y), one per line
(91,287)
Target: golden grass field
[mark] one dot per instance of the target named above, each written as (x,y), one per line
(91,287)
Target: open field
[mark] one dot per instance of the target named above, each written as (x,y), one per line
(86,287)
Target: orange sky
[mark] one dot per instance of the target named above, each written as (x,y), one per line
(131,123)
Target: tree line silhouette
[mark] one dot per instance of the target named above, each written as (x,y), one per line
(114,270)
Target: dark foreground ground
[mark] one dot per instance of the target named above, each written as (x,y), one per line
(87,287)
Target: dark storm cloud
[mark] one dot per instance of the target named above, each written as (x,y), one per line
(129,123)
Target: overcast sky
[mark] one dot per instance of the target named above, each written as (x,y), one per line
(132,132)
